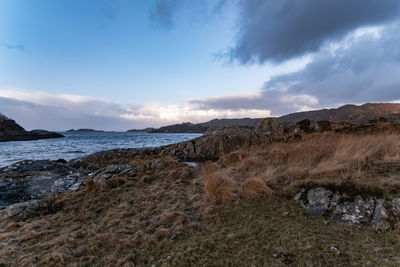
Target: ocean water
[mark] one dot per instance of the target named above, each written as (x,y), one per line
(76,145)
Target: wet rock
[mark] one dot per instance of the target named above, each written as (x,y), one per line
(355,212)
(28,180)
(396,206)
(379,220)
(318,200)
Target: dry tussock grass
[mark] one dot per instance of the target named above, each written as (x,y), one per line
(218,187)
(254,188)
(234,157)
(317,156)
(92,186)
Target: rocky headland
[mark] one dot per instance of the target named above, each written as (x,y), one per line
(276,181)
(11,131)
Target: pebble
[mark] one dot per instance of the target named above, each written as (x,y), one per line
(231,235)
(334,250)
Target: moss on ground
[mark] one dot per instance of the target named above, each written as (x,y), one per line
(277,232)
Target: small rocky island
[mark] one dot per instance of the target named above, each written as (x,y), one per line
(84,130)
(11,131)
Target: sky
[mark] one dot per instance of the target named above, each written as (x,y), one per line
(124,64)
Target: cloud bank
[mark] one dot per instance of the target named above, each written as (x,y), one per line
(35,110)
(278,30)
(353,45)
(362,67)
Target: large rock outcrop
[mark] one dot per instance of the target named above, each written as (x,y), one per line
(11,131)
(270,127)
(215,142)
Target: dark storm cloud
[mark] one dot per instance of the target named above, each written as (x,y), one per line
(363,67)
(278,30)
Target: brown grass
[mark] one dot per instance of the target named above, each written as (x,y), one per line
(218,188)
(92,186)
(132,219)
(318,156)
(254,188)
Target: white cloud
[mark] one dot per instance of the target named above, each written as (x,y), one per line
(181,113)
(63,111)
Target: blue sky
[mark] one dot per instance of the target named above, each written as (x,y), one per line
(119,64)
(114,50)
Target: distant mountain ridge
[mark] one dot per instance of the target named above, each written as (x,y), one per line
(188,127)
(347,113)
(11,131)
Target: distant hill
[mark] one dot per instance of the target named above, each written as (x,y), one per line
(185,127)
(146,130)
(188,127)
(84,131)
(11,131)
(350,113)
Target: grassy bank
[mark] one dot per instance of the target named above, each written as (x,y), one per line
(236,211)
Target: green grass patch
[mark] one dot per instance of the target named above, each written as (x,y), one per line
(278,232)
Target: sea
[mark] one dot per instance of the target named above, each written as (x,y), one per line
(75,145)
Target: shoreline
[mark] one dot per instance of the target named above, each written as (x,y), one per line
(76,145)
